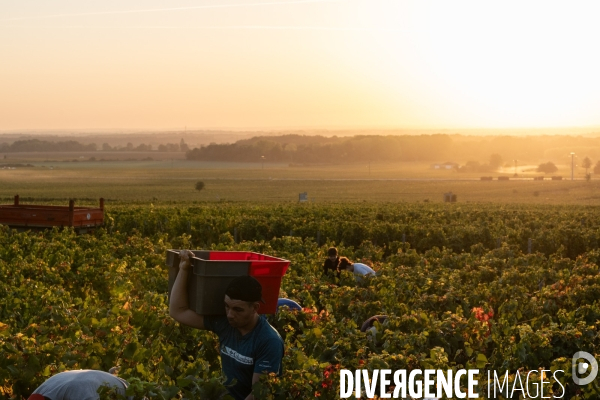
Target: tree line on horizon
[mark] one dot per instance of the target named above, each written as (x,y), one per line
(36,145)
(319,149)
(473,151)
(301,149)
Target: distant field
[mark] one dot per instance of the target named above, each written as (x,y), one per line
(141,161)
(174,181)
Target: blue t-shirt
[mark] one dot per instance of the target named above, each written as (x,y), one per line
(258,351)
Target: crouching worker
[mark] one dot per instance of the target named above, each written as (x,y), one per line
(369,325)
(249,345)
(291,304)
(80,384)
(356,268)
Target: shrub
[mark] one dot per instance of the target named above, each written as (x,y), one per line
(547,168)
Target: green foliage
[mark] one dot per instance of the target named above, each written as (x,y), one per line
(456,297)
(569,230)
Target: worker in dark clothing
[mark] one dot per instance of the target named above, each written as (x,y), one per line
(333,262)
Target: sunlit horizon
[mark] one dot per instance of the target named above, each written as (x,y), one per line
(299,64)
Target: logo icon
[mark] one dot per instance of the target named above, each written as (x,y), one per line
(580,368)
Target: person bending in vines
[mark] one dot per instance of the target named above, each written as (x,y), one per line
(356,268)
(249,345)
(82,384)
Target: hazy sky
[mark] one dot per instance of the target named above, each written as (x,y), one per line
(294,64)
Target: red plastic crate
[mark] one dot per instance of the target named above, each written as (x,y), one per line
(210,265)
(267,270)
(269,274)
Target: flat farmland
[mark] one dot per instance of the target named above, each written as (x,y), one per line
(174,180)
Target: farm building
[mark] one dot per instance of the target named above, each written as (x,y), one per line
(446,165)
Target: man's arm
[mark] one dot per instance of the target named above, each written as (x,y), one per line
(255,378)
(178,306)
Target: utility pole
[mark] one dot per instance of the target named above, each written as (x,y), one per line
(572,164)
(515,167)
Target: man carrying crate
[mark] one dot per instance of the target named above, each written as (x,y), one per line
(250,346)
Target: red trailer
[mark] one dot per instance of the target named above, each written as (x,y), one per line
(31,216)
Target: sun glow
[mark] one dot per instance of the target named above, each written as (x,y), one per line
(496,64)
(297,63)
